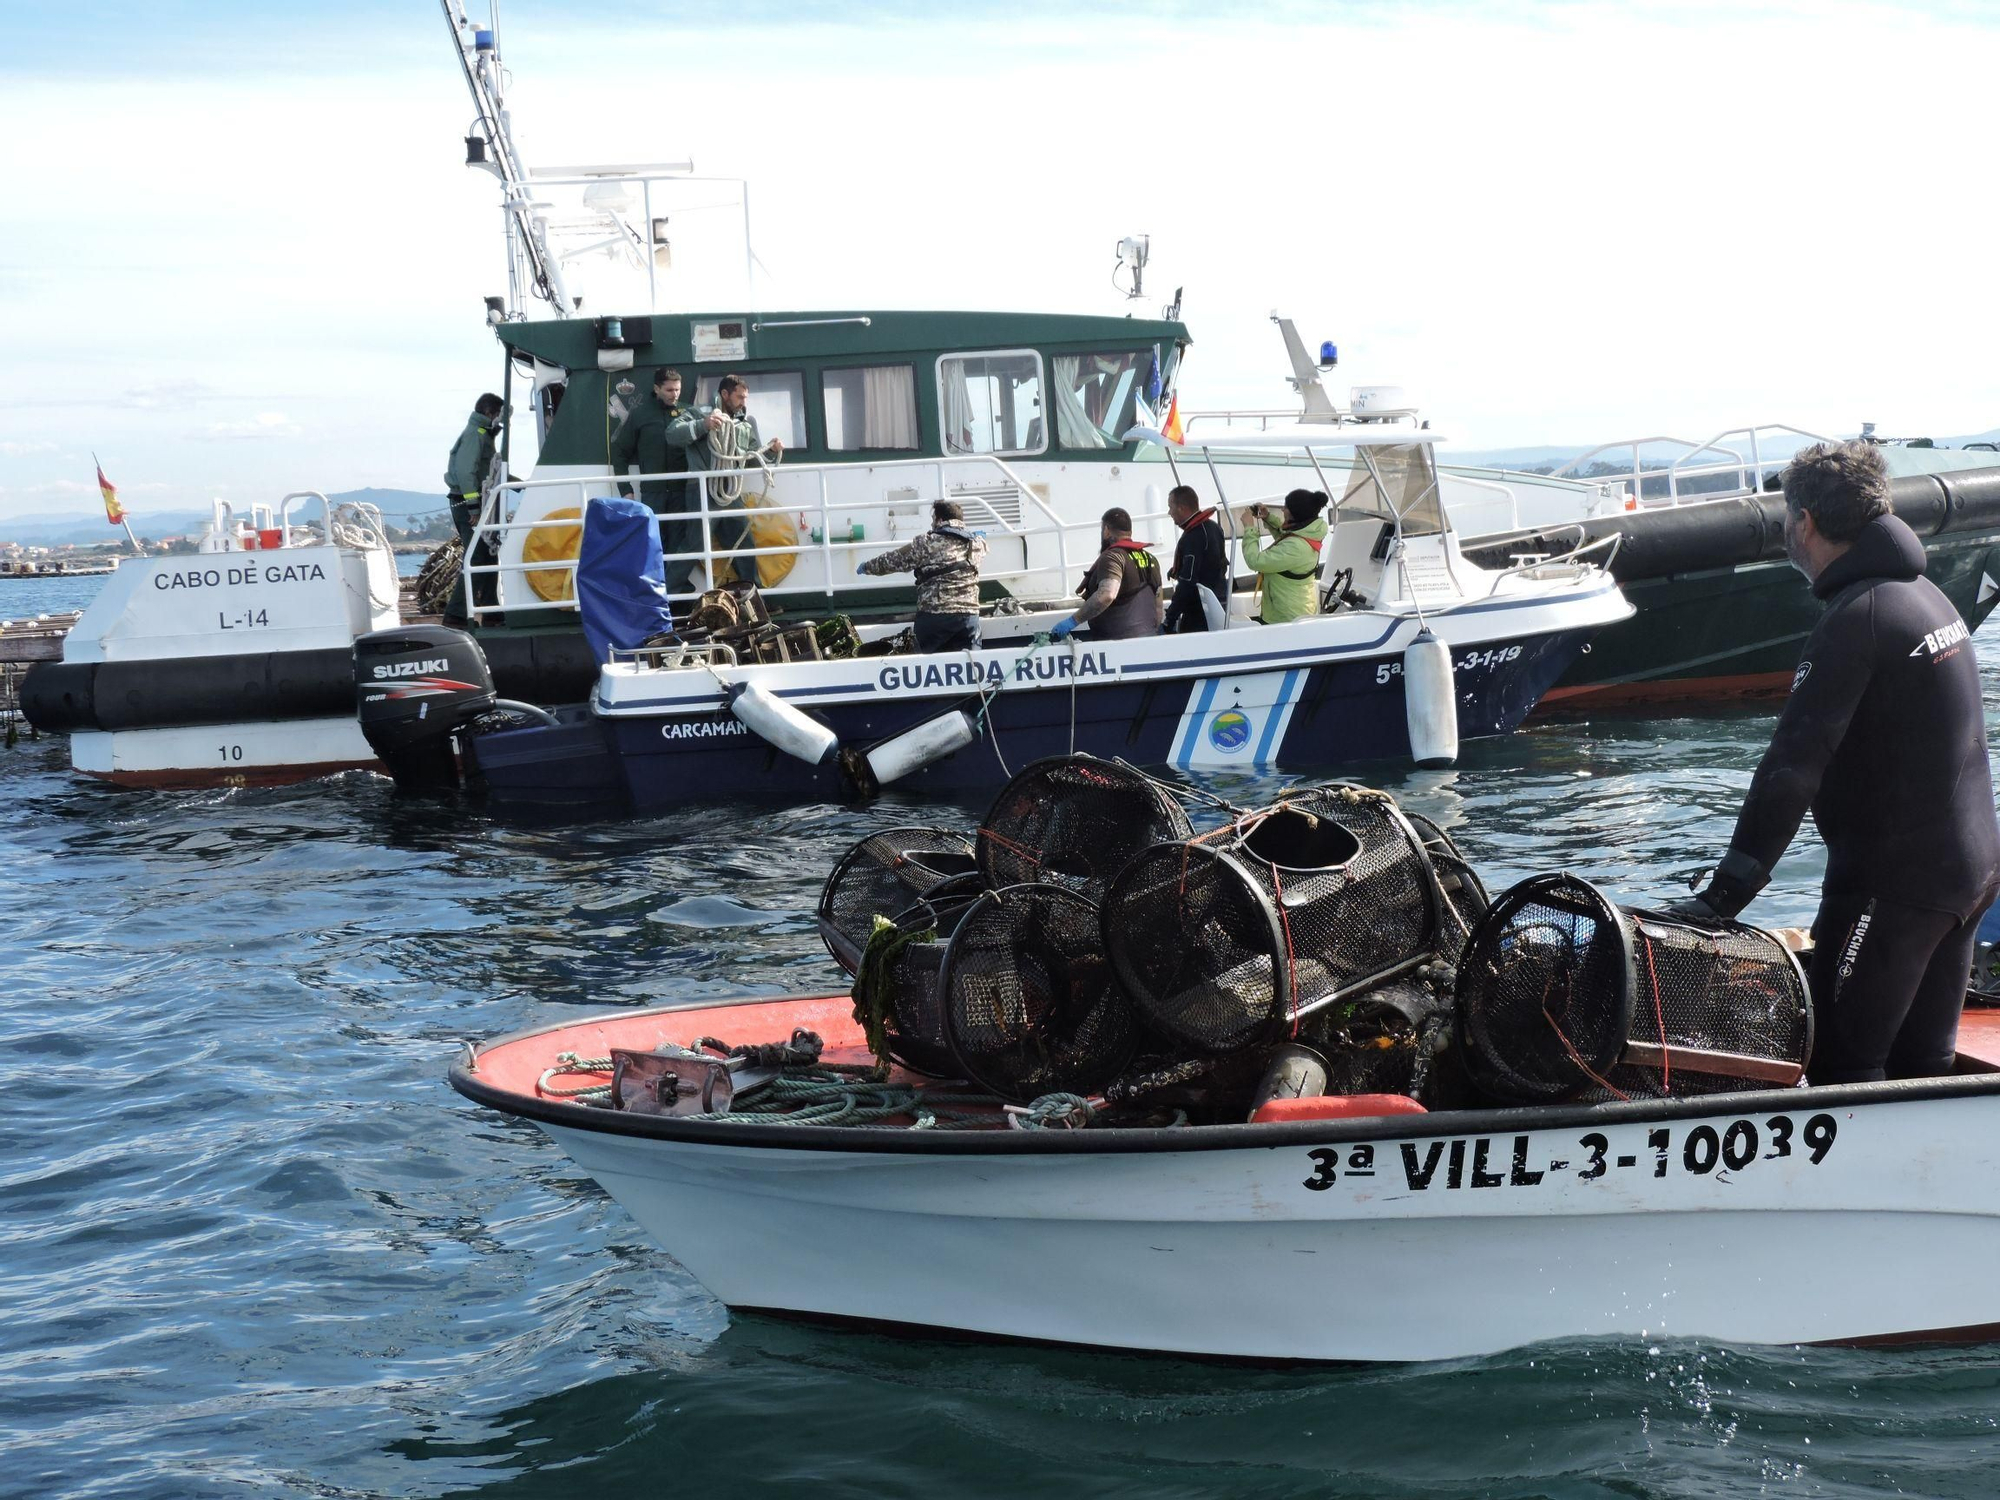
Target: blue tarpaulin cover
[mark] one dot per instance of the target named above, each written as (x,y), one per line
(621,585)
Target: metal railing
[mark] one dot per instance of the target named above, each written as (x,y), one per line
(1670,479)
(824,541)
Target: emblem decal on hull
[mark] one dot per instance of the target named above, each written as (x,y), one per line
(1229,731)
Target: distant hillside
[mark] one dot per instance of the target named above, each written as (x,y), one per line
(399,508)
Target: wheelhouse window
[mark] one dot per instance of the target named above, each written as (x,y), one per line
(992,403)
(1094,395)
(870,406)
(777,400)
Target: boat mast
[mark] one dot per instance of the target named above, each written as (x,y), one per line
(489,143)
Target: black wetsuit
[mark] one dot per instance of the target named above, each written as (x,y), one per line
(1200,561)
(1885,739)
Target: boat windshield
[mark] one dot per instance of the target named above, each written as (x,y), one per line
(1396,481)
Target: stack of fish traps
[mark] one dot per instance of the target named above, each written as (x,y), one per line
(1086,940)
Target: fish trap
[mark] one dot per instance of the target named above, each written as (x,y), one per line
(887,874)
(1029,1001)
(1223,941)
(1074,821)
(1563,996)
(1462,893)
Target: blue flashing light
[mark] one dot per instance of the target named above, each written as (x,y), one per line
(483,40)
(1328,355)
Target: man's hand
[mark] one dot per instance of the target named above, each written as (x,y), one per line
(1692,909)
(715,421)
(777,448)
(1063,628)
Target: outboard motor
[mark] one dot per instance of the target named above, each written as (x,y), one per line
(414,688)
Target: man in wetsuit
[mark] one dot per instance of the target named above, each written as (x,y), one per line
(1121,592)
(1884,738)
(1201,562)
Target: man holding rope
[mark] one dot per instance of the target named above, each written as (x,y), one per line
(720,439)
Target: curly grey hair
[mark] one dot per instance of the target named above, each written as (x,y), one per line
(1842,486)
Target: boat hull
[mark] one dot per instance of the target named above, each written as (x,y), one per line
(266,753)
(1341,710)
(1846,1214)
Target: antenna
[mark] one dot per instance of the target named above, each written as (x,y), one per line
(1132,252)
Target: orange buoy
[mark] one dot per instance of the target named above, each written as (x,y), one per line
(1335,1107)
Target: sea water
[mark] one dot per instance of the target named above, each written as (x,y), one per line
(251,1244)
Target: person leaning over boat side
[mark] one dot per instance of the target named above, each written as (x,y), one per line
(1201,564)
(641,445)
(1121,591)
(946,562)
(1883,737)
(465,482)
(1289,560)
(720,439)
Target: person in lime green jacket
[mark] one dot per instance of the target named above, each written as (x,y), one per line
(1289,557)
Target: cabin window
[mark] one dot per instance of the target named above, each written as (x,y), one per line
(1094,396)
(870,406)
(992,403)
(777,401)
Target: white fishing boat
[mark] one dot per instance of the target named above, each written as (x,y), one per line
(1787,1215)
(231,665)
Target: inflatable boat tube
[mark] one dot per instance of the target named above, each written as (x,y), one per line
(59,697)
(1745,529)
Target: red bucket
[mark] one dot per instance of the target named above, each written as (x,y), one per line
(275,537)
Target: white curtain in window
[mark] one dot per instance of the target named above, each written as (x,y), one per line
(959,436)
(1074,427)
(889,406)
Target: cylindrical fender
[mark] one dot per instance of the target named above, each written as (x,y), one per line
(778,723)
(1430,701)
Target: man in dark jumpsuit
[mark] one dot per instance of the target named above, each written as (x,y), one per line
(1201,561)
(640,445)
(465,474)
(1121,590)
(1884,738)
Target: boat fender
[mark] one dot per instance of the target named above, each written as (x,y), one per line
(1429,700)
(1295,1072)
(780,724)
(1335,1107)
(916,748)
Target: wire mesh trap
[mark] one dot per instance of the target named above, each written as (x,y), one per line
(1223,940)
(1074,821)
(887,874)
(1029,1003)
(1563,995)
(1462,892)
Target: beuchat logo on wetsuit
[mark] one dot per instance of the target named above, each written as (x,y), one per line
(1940,642)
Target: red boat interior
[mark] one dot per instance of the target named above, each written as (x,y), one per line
(517,1066)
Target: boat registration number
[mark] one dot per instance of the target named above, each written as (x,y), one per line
(1500,1161)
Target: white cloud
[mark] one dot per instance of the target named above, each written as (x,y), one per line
(21,450)
(266,424)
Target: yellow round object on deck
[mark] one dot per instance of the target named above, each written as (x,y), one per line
(554,541)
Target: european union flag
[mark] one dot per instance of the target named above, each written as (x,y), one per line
(1153,380)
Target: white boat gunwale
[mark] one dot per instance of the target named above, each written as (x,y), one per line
(464,1077)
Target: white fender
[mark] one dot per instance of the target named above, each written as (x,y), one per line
(915,748)
(1430,701)
(782,725)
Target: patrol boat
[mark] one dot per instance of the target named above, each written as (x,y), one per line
(1417,649)
(1361,1235)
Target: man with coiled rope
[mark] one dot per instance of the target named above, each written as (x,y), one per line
(720,439)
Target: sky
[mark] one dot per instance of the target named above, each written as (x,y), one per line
(240,254)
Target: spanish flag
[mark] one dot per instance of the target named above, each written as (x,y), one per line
(113,511)
(1171,428)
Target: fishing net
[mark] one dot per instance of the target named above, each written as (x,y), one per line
(1030,1005)
(885,875)
(1074,821)
(1225,940)
(1563,995)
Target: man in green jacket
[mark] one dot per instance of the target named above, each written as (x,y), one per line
(465,481)
(1289,559)
(641,446)
(721,439)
